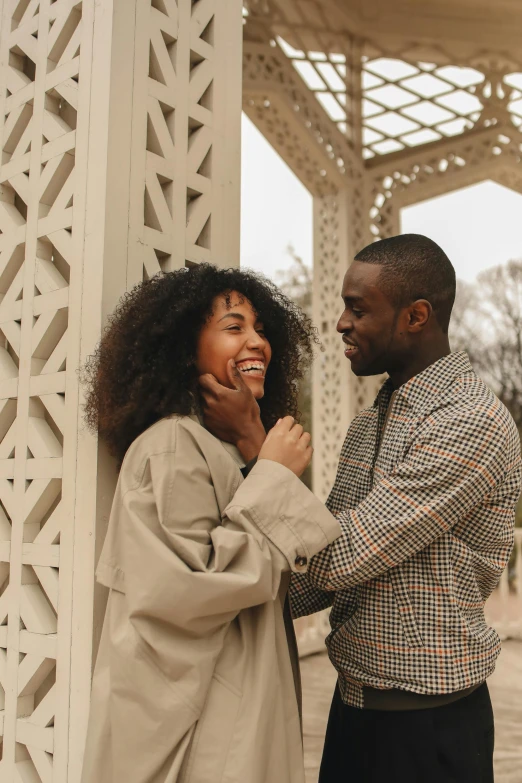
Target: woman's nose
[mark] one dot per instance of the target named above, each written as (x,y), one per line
(255,340)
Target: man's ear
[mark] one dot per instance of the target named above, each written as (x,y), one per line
(419,314)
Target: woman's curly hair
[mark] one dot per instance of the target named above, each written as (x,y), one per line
(144,366)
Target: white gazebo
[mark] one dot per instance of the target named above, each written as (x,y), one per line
(120,158)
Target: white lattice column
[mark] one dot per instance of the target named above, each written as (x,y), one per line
(385,219)
(339,233)
(334,388)
(330,392)
(112,168)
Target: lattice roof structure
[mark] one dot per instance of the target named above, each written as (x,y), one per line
(388,80)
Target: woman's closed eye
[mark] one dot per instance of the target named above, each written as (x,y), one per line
(238,327)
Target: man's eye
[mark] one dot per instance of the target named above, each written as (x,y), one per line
(357,313)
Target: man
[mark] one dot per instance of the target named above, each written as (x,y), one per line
(425,492)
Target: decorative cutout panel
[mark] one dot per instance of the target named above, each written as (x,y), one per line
(326,75)
(39,102)
(483,154)
(512,85)
(179,104)
(407,102)
(279,103)
(337,394)
(330,370)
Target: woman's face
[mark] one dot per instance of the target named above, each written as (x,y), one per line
(234,332)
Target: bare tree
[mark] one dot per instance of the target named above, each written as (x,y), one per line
(464,318)
(296,281)
(487,323)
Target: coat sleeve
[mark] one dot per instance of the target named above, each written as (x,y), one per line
(190,569)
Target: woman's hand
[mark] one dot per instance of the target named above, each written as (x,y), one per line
(287,444)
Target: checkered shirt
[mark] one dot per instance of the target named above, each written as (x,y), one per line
(426,495)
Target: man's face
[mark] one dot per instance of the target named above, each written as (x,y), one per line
(370,323)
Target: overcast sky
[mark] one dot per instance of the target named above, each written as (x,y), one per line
(477,227)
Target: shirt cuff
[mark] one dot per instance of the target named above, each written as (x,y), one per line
(286,512)
(248,467)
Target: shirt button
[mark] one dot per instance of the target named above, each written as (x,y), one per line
(301,561)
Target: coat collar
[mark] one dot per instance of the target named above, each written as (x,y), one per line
(422,391)
(234,453)
(229,447)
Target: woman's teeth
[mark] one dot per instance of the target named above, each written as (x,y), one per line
(252,368)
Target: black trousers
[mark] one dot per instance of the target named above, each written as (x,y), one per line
(449,744)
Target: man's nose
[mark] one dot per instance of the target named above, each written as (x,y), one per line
(344,324)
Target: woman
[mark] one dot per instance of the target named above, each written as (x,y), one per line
(195,680)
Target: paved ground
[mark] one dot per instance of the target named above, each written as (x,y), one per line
(506,692)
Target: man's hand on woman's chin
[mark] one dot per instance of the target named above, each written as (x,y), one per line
(233,414)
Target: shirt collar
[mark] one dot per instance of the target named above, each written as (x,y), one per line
(422,390)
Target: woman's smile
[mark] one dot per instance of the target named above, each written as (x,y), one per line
(251,366)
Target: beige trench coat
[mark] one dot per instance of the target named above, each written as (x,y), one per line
(194,681)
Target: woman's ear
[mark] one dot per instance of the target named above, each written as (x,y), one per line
(419,315)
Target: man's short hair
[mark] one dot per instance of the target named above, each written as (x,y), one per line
(414,267)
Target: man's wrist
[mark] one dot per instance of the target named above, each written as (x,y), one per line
(249,445)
